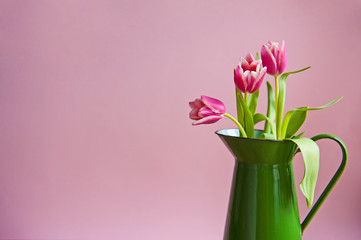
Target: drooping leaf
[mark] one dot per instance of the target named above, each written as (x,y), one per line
(311,158)
(248,117)
(253,100)
(271,110)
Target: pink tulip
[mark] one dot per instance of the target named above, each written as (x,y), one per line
(274,58)
(206,110)
(249,74)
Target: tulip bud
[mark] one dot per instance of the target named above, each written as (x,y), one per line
(274,58)
(206,110)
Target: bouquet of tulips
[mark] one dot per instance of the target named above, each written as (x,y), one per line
(248,78)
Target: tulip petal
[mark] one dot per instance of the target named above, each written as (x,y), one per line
(268,60)
(249,58)
(275,49)
(198,102)
(259,80)
(239,80)
(208,120)
(193,105)
(194,115)
(244,64)
(214,104)
(205,112)
(282,58)
(249,78)
(255,65)
(253,77)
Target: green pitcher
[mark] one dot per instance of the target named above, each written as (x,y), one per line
(263,201)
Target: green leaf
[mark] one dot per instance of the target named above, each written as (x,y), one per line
(253,100)
(258,117)
(271,111)
(293,121)
(325,106)
(296,121)
(295,118)
(299,135)
(248,117)
(311,158)
(240,113)
(285,75)
(257,56)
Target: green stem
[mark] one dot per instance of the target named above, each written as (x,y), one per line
(237,123)
(246,97)
(276,88)
(278,114)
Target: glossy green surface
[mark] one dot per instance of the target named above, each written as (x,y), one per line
(263,202)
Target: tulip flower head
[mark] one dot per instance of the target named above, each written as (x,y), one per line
(206,110)
(274,57)
(249,74)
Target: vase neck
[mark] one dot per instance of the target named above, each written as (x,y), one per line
(258,151)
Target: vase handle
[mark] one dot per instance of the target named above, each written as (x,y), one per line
(333,181)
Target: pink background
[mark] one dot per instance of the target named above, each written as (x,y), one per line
(95,137)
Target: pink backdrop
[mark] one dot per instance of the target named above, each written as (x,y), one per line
(95,137)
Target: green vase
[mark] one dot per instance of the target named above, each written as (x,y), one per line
(263,202)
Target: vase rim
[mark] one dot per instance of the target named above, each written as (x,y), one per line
(234,133)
